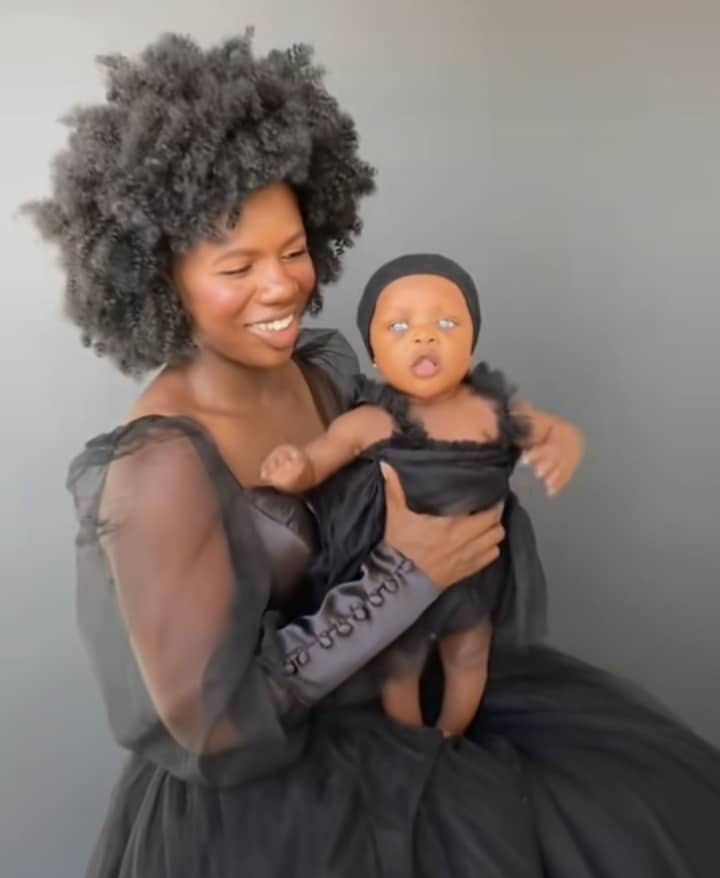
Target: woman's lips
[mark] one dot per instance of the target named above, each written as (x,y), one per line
(280,333)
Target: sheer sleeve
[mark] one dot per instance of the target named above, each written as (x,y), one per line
(195,672)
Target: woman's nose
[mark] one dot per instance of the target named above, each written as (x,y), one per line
(276,284)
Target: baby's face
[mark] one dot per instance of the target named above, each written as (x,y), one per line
(422,336)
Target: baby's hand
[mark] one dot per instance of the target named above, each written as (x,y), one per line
(288,468)
(555,460)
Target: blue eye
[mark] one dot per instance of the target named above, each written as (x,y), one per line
(446,323)
(399,326)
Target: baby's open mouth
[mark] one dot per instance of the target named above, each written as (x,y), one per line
(425,366)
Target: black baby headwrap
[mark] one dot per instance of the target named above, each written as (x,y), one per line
(416,263)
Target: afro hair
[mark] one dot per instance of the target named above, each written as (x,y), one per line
(183,136)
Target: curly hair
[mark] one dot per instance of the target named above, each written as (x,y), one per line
(183,136)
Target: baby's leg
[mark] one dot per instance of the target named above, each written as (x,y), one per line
(401,699)
(464,657)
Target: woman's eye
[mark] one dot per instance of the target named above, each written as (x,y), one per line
(399,326)
(237,272)
(446,323)
(296,254)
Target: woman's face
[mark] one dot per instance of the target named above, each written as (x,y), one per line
(421,336)
(246,294)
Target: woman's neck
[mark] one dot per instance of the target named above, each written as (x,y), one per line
(227,387)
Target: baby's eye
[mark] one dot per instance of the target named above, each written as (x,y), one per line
(446,323)
(399,326)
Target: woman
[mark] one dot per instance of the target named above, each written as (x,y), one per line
(197,211)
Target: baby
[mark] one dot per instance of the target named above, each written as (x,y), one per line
(453,433)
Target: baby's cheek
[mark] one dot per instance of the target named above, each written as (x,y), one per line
(398,376)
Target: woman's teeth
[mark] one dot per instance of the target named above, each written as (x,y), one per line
(275,325)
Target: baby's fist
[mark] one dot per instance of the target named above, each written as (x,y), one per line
(288,468)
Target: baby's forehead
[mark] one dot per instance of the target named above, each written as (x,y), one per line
(421,291)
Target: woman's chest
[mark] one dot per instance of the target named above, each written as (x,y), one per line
(279,530)
(271,535)
(245,441)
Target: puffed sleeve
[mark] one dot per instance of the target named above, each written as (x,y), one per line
(195,672)
(329,350)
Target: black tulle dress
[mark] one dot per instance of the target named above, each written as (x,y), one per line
(243,765)
(439,478)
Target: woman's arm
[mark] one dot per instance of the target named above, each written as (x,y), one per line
(218,670)
(197,675)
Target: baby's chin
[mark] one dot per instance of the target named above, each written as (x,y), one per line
(440,385)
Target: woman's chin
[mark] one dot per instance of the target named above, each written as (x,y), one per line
(280,342)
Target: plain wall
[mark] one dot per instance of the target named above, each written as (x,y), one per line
(567,153)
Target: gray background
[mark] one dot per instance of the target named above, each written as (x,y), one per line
(567,152)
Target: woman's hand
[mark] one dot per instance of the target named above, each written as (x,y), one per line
(447,549)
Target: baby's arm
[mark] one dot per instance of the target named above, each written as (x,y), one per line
(296,469)
(553,447)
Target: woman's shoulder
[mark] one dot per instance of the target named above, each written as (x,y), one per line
(158,417)
(139,454)
(330,350)
(158,437)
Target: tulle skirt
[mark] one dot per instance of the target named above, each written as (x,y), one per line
(566,772)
